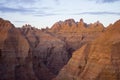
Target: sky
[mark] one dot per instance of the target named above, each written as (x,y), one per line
(44,13)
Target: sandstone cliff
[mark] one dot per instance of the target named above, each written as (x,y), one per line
(14,51)
(98,60)
(52,48)
(49,53)
(76,34)
(70,26)
(29,53)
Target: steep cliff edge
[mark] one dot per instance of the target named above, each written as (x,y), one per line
(49,53)
(69,50)
(98,60)
(52,48)
(14,51)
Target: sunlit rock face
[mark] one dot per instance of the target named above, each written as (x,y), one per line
(68,51)
(76,34)
(98,60)
(29,53)
(70,26)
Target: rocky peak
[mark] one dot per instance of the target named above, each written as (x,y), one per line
(97,26)
(13,52)
(110,25)
(81,20)
(5,24)
(63,25)
(57,26)
(114,28)
(28,53)
(26,28)
(98,60)
(81,24)
(69,21)
(117,23)
(5,28)
(70,26)
(98,23)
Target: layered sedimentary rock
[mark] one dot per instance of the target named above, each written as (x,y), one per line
(98,60)
(49,53)
(76,34)
(29,53)
(70,26)
(14,51)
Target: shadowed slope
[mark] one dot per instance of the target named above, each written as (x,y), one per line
(99,60)
(14,50)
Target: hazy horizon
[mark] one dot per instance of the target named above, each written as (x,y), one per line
(44,13)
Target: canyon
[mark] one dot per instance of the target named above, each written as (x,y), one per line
(68,50)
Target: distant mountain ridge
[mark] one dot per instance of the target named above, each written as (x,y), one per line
(70,25)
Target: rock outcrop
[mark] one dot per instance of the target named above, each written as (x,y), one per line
(52,48)
(76,34)
(70,26)
(49,53)
(69,50)
(98,60)
(14,53)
